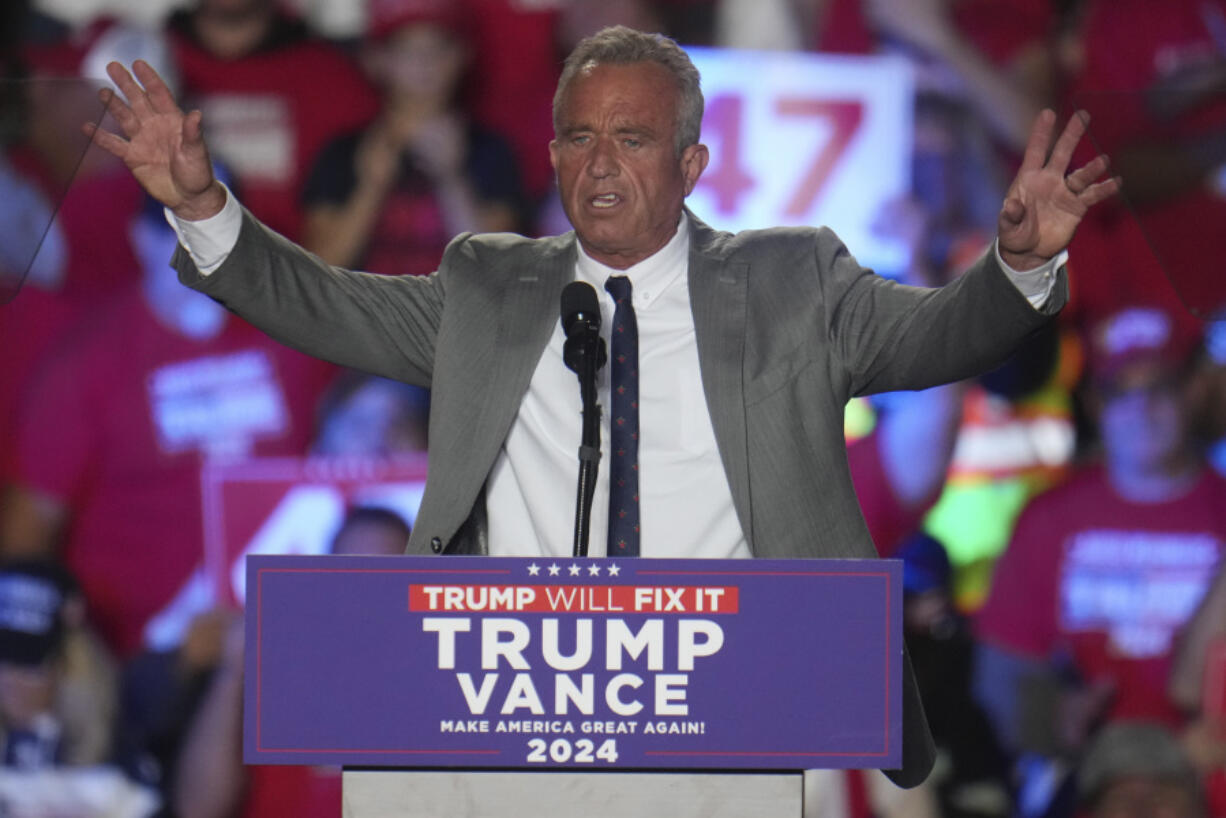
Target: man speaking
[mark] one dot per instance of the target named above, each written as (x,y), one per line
(731,358)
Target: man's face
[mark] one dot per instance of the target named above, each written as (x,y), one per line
(1146,796)
(369,538)
(26,692)
(422,59)
(1143,419)
(621,181)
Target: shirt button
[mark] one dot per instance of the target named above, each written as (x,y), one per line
(436,545)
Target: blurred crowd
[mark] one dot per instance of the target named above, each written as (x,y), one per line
(1061,520)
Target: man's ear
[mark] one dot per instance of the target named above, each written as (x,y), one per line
(694,159)
(553,154)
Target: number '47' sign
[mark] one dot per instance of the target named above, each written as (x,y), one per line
(805,139)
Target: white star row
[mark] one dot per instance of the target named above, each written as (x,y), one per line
(574,569)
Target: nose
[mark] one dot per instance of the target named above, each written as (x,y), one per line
(602,162)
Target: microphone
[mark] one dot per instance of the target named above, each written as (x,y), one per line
(584,353)
(581,323)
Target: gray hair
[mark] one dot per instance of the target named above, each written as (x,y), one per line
(619,45)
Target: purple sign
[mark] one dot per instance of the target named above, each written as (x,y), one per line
(567,663)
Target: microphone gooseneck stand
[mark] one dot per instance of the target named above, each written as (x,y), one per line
(584,353)
(589,447)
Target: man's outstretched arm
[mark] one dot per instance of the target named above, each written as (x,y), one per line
(892,337)
(386,325)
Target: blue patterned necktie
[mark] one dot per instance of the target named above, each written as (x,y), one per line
(624,429)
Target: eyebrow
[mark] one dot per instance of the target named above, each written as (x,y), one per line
(625,130)
(635,131)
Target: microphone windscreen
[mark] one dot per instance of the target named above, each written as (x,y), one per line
(579,303)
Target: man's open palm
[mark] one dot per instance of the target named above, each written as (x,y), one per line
(1044,205)
(162,147)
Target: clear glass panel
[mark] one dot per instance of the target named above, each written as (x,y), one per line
(42,148)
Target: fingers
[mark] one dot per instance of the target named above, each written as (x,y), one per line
(1036,155)
(120,111)
(155,87)
(1085,175)
(1081,182)
(1074,129)
(1040,139)
(192,132)
(106,140)
(135,95)
(1102,190)
(1012,211)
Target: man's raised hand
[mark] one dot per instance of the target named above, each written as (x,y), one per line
(162,147)
(1045,204)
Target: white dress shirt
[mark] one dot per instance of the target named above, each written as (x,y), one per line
(686,502)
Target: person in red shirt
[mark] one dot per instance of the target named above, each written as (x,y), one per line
(955,53)
(1103,570)
(389,198)
(52,275)
(273,96)
(516,63)
(113,433)
(1159,107)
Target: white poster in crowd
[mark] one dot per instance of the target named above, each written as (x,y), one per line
(290,505)
(806,139)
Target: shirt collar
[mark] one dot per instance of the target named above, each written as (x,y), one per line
(651,276)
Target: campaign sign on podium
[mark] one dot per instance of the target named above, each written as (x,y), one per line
(594,664)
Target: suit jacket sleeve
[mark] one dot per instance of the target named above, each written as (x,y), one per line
(889,336)
(385,325)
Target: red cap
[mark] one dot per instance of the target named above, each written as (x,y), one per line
(388,16)
(1139,336)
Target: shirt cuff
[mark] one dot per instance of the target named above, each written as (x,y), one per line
(209,241)
(1036,284)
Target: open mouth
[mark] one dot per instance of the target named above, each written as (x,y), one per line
(605,200)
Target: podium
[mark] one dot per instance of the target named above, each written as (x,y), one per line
(598,687)
(392,794)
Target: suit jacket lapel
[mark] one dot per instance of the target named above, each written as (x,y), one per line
(718,291)
(488,368)
(532,303)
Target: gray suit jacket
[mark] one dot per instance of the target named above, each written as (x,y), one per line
(788,326)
